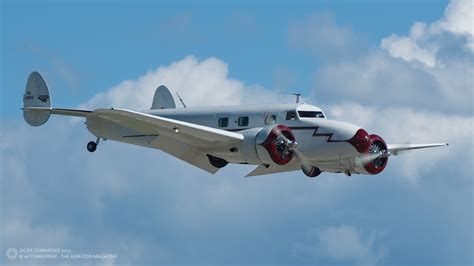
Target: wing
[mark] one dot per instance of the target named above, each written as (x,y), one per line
(395,148)
(273,169)
(192,134)
(186,141)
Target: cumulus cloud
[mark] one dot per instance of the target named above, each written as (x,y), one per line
(343,243)
(408,50)
(199,82)
(183,76)
(424,41)
(458,18)
(428,69)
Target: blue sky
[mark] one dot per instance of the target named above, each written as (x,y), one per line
(100,44)
(403,70)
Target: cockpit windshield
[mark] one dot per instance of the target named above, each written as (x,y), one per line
(310,114)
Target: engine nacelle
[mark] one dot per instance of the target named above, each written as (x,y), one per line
(372,145)
(275,144)
(269,145)
(377,145)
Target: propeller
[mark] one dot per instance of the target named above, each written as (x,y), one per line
(292,146)
(377,154)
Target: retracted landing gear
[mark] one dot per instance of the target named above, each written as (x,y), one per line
(313,171)
(92,146)
(216,161)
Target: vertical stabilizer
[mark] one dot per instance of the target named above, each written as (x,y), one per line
(163,99)
(36,100)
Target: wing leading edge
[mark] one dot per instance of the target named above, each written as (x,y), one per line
(183,140)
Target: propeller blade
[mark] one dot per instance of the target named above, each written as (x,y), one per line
(303,161)
(298,154)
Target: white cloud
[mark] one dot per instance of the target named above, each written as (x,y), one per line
(424,41)
(380,80)
(343,243)
(458,19)
(199,83)
(428,69)
(408,50)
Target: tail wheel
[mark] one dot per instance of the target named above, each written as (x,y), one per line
(91,146)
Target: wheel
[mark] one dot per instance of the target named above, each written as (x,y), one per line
(216,161)
(91,146)
(311,172)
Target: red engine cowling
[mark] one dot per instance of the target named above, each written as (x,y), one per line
(370,145)
(278,142)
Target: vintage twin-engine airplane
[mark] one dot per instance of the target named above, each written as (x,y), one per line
(276,138)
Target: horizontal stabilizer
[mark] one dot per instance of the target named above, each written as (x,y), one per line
(59,111)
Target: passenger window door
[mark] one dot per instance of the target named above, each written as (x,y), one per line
(223,122)
(243,121)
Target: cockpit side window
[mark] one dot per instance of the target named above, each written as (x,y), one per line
(291,115)
(311,114)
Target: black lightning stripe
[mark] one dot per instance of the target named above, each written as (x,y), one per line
(316,134)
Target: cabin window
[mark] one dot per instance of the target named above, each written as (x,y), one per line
(291,115)
(270,119)
(223,122)
(311,114)
(243,121)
